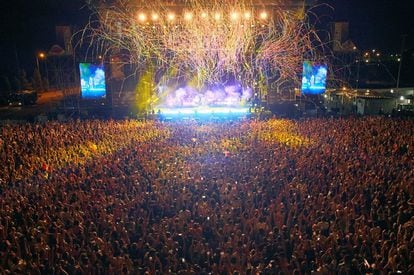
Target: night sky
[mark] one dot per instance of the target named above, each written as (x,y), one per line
(376,24)
(29,25)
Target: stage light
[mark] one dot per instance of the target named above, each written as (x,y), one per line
(42,55)
(188,16)
(263,15)
(142,17)
(247,15)
(171,16)
(155,17)
(203,110)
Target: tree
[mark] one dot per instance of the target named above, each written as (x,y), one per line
(25,84)
(16,84)
(37,81)
(5,84)
(45,83)
(5,89)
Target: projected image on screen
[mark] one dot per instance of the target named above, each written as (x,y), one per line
(92,79)
(314,78)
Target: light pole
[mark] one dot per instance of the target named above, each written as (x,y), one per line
(357,76)
(41,56)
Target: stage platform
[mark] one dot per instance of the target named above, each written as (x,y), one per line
(204,112)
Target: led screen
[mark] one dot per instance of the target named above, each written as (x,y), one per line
(92,79)
(314,78)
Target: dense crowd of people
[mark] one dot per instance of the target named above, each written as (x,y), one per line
(325,196)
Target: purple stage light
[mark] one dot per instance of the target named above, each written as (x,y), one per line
(218,95)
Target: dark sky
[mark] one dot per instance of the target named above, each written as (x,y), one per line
(28,25)
(377,24)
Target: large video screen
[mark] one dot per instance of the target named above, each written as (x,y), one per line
(314,78)
(92,77)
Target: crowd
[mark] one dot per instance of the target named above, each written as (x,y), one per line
(323,196)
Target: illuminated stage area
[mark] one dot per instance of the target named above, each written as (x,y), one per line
(216,95)
(209,58)
(203,53)
(213,101)
(205,112)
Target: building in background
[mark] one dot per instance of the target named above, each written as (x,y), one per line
(60,62)
(340,37)
(370,101)
(64,38)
